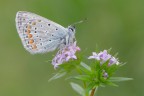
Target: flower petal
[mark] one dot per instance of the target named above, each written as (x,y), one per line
(65,54)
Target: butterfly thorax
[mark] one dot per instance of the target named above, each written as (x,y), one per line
(71,35)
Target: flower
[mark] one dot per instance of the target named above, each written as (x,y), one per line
(113,60)
(103,56)
(105,74)
(94,56)
(65,54)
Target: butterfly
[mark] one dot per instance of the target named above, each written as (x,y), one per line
(41,35)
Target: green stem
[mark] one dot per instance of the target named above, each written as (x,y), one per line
(93,91)
(84,83)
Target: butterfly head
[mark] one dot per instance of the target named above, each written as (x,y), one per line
(71,34)
(71,29)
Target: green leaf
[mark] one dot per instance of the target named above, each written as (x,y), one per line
(95,65)
(78,89)
(105,65)
(119,79)
(69,66)
(122,64)
(56,76)
(85,66)
(115,55)
(110,84)
(109,50)
(81,77)
(112,69)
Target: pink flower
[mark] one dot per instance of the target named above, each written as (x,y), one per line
(113,60)
(105,74)
(65,54)
(103,56)
(94,56)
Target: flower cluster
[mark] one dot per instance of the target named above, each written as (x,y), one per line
(65,54)
(92,75)
(103,56)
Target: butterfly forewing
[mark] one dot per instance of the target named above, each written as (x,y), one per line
(38,34)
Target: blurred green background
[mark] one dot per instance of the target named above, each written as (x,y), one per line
(116,24)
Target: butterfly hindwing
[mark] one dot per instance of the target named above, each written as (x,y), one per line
(38,34)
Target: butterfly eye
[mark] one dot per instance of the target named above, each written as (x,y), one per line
(71,29)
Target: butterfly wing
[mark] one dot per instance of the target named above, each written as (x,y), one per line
(38,34)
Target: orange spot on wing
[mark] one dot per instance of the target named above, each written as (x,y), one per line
(34,46)
(28,31)
(31,41)
(28,27)
(29,35)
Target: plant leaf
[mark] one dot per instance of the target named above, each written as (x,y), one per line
(119,79)
(78,89)
(69,66)
(110,84)
(85,66)
(81,77)
(56,76)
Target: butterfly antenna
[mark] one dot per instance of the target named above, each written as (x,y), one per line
(79,22)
